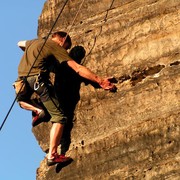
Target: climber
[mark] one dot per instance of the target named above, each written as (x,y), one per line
(38,81)
(24,97)
(34,104)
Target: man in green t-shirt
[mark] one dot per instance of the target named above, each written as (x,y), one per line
(34,68)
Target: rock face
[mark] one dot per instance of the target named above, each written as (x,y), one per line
(133,133)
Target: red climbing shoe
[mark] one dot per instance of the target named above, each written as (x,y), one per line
(57,159)
(36,117)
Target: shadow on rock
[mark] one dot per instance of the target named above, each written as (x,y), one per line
(60,166)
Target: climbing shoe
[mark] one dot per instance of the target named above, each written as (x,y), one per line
(57,159)
(37,117)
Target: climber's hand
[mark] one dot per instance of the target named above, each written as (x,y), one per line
(107,85)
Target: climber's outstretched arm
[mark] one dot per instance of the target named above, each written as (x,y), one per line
(86,73)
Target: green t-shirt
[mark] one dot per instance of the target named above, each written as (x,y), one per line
(50,52)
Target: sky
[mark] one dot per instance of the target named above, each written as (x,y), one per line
(20,154)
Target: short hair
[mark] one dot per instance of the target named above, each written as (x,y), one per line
(77,53)
(63,34)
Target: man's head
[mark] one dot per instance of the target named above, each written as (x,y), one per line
(62,39)
(77,53)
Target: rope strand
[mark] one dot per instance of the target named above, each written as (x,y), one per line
(74,19)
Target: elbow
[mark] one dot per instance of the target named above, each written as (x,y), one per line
(22,44)
(19,43)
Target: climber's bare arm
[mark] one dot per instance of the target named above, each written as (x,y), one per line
(86,73)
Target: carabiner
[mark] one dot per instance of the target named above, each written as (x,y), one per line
(36,85)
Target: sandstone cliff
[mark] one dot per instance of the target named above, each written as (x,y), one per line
(133,133)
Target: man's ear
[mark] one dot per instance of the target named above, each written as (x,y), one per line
(63,39)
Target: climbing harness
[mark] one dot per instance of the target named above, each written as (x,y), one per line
(38,82)
(20,86)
